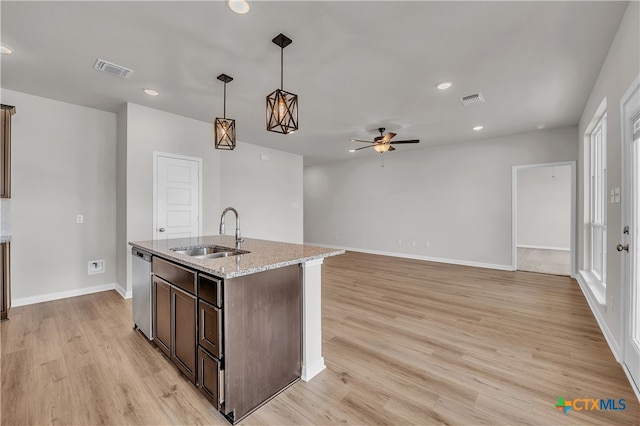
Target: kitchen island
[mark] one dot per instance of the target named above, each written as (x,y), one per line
(241,327)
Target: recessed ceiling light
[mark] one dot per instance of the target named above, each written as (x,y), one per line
(540,126)
(478,128)
(352,150)
(151,92)
(239,6)
(444,85)
(5,50)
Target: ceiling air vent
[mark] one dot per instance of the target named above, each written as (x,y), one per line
(113,69)
(476,98)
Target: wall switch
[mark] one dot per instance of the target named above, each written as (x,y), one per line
(399,242)
(335,236)
(264,157)
(95,267)
(427,244)
(413,243)
(79,218)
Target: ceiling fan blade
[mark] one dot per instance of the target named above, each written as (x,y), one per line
(364,147)
(409,141)
(388,137)
(391,149)
(358,140)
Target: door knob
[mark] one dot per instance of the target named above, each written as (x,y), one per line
(161,229)
(621,247)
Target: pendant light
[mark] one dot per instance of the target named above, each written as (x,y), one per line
(282,107)
(225,128)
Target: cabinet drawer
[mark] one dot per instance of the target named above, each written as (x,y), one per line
(210,330)
(210,378)
(210,289)
(175,274)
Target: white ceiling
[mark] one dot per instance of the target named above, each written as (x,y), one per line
(355,65)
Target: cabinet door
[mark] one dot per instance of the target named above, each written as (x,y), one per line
(6,111)
(5,282)
(209,377)
(162,315)
(184,332)
(210,330)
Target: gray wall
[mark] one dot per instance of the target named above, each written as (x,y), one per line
(618,72)
(456,197)
(268,193)
(264,192)
(63,164)
(544,207)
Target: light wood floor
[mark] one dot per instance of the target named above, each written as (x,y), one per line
(405,342)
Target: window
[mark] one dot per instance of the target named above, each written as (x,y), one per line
(598,200)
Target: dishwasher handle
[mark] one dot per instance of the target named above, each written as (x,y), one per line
(145,256)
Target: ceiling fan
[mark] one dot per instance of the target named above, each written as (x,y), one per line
(382,143)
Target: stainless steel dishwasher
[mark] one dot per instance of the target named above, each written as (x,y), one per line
(142,287)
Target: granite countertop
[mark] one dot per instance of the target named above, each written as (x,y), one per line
(5,238)
(263,255)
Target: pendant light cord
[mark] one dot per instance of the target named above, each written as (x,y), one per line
(224,102)
(281,68)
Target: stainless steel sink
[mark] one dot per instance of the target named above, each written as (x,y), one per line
(209,252)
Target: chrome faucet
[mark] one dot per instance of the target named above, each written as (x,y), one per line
(238,239)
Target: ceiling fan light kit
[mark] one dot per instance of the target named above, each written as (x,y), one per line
(282,106)
(225,128)
(382,143)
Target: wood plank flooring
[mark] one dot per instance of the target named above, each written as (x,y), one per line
(405,342)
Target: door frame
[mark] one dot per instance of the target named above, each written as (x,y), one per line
(514,210)
(627,113)
(156,155)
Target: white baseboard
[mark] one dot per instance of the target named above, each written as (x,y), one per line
(310,371)
(543,247)
(597,313)
(23,301)
(635,387)
(418,257)
(125,294)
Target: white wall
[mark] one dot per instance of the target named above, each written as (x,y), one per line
(618,72)
(63,164)
(149,130)
(456,197)
(268,194)
(544,207)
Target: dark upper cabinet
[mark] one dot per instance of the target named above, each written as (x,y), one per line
(5,288)
(5,150)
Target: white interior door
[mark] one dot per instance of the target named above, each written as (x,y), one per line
(177,197)
(630,246)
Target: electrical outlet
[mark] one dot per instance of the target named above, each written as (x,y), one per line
(413,243)
(399,242)
(611,303)
(95,267)
(335,236)
(79,218)
(427,244)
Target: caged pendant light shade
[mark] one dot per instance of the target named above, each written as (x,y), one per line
(225,128)
(282,106)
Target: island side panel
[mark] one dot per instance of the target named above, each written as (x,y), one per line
(312,359)
(262,337)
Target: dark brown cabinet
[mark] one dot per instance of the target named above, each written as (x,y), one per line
(183,321)
(5,297)
(239,340)
(162,315)
(6,111)
(209,375)
(175,315)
